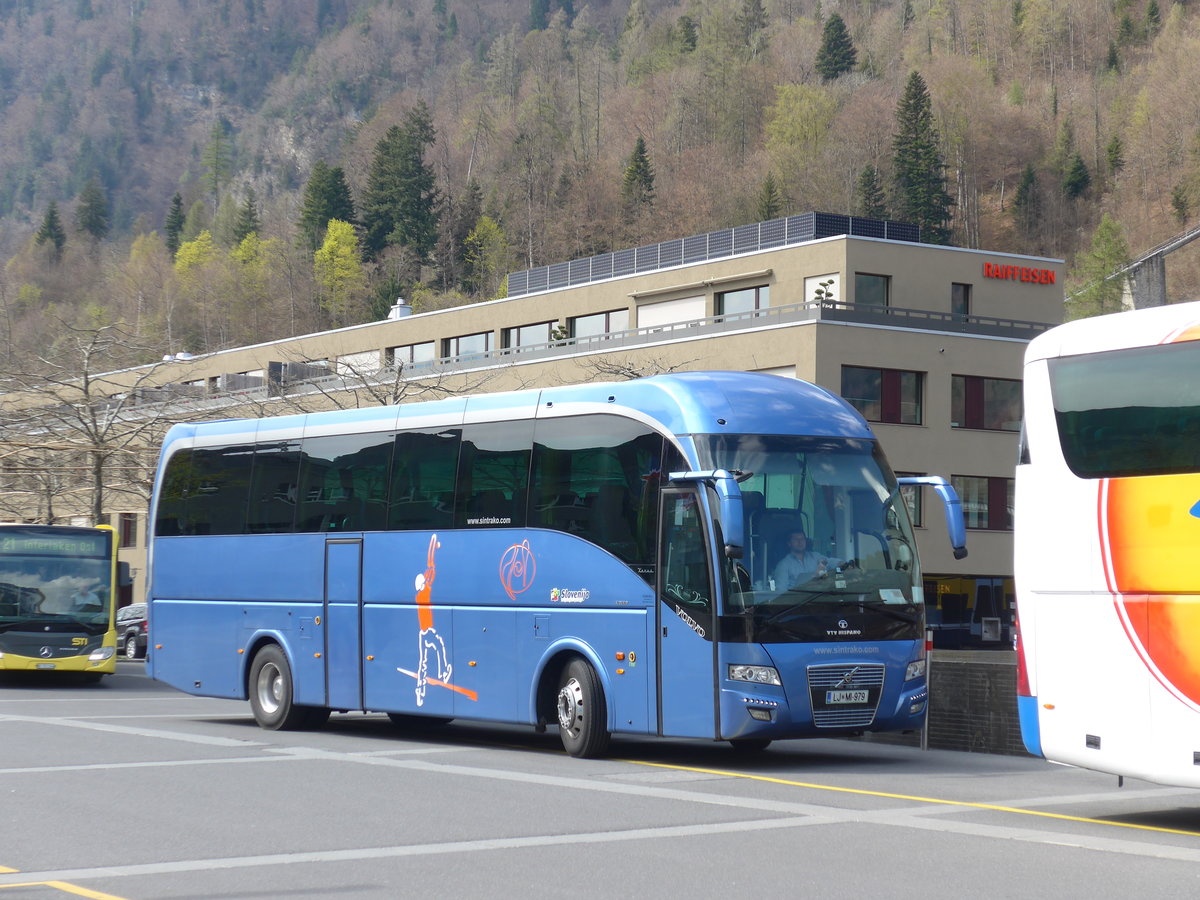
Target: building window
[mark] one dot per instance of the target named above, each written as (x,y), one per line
(127,525)
(747,300)
(992,404)
(599,324)
(526,335)
(467,344)
(914,499)
(884,395)
(410,355)
(960,300)
(871,290)
(987,502)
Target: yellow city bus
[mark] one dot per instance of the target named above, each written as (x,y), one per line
(58,588)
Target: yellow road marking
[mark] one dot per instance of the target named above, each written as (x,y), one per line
(59,886)
(912,798)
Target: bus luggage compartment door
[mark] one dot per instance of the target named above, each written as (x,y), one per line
(343,623)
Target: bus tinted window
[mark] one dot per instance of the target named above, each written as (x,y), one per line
(220,485)
(172,495)
(344,482)
(423,472)
(493,475)
(1129,412)
(598,477)
(273,488)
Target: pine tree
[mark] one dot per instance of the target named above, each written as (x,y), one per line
(920,173)
(539,14)
(247,220)
(91,215)
(869,199)
(637,185)
(1114,155)
(400,203)
(689,33)
(326,196)
(173,227)
(1027,206)
(217,161)
(752,22)
(836,55)
(770,200)
(52,232)
(1153,20)
(1180,206)
(1077,179)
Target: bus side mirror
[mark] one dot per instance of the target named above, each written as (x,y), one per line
(124,577)
(952,506)
(729,497)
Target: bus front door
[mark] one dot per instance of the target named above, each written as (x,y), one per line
(686,684)
(343,623)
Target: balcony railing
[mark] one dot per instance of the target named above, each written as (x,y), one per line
(771,317)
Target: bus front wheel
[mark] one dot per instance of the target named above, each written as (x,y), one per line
(582,715)
(271,694)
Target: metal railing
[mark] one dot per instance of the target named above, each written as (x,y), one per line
(771,317)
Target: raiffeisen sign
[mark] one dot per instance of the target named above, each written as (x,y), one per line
(1006,272)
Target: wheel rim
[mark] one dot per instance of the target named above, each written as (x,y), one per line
(270,688)
(570,707)
(131,648)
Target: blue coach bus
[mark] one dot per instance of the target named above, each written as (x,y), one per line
(604,558)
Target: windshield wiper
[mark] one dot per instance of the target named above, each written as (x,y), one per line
(794,607)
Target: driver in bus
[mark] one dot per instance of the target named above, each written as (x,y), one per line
(800,565)
(85,599)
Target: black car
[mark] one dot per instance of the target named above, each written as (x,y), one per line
(131,630)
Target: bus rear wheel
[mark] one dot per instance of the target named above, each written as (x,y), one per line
(582,714)
(271,694)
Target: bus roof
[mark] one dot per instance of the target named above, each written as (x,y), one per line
(716,402)
(1135,328)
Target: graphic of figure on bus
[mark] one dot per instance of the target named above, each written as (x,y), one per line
(429,641)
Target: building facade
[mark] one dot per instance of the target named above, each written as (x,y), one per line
(926,341)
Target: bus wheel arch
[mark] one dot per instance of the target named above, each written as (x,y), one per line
(581,710)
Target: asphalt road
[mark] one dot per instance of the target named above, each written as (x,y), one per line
(131,790)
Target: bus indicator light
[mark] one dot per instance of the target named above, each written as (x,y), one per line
(620,656)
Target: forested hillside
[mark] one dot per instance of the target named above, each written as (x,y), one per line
(173,166)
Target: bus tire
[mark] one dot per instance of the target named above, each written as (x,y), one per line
(271,694)
(582,713)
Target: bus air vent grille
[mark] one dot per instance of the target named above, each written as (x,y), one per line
(845,696)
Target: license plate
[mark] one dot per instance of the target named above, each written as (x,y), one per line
(845,696)
(47,666)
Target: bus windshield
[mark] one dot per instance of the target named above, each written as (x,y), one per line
(54,594)
(830,554)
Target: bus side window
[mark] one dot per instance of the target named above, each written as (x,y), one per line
(221,490)
(598,477)
(344,482)
(273,488)
(424,467)
(493,475)
(177,485)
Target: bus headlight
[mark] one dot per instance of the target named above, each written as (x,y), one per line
(754,674)
(101,654)
(915,670)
